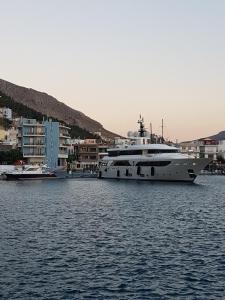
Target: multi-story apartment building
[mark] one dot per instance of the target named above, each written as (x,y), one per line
(43,142)
(88,153)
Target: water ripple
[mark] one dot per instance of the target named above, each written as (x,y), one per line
(93,239)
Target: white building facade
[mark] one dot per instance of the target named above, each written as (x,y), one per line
(203,148)
(6,113)
(221,149)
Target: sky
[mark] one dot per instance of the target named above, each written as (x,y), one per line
(115,59)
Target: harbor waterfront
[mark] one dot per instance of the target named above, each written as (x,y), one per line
(112,239)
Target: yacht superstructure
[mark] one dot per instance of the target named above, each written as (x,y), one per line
(141,160)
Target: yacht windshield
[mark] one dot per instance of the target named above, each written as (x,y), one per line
(32,169)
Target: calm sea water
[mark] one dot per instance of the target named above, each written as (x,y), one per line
(99,239)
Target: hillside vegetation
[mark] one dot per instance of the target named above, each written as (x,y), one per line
(48,105)
(20,110)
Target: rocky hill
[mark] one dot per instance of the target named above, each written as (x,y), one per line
(50,106)
(219,136)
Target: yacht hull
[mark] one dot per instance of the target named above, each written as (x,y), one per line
(183,170)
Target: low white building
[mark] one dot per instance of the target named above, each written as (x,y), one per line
(208,149)
(12,136)
(6,113)
(203,148)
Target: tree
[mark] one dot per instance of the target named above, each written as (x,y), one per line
(10,157)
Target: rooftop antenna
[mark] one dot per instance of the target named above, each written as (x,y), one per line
(142,126)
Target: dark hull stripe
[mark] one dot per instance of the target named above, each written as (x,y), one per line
(28,176)
(148,179)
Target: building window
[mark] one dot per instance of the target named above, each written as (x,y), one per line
(93,157)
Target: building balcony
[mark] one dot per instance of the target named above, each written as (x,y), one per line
(33,155)
(63,151)
(64,135)
(34,134)
(30,124)
(88,152)
(102,153)
(64,145)
(64,126)
(61,155)
(34,145)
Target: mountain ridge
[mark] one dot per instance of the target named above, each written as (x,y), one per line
(52,107)
(217,137)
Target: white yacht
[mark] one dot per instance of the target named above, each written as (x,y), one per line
(30,172)
(145,161)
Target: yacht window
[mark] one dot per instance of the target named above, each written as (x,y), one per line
(153,163)
(131,152)
(138,170)
(152,171)
(121,163)
(156,151)
(125,152)
(113,153)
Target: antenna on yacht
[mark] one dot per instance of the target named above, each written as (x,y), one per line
(162,131)
(142,126)
(151,133)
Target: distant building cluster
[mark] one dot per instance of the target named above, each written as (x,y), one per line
(205,148)
(49,142)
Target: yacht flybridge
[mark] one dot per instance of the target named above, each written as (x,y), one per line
(145,161)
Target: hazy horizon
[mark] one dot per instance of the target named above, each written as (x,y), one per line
(115,60)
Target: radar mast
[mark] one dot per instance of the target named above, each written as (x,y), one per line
(142,127)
